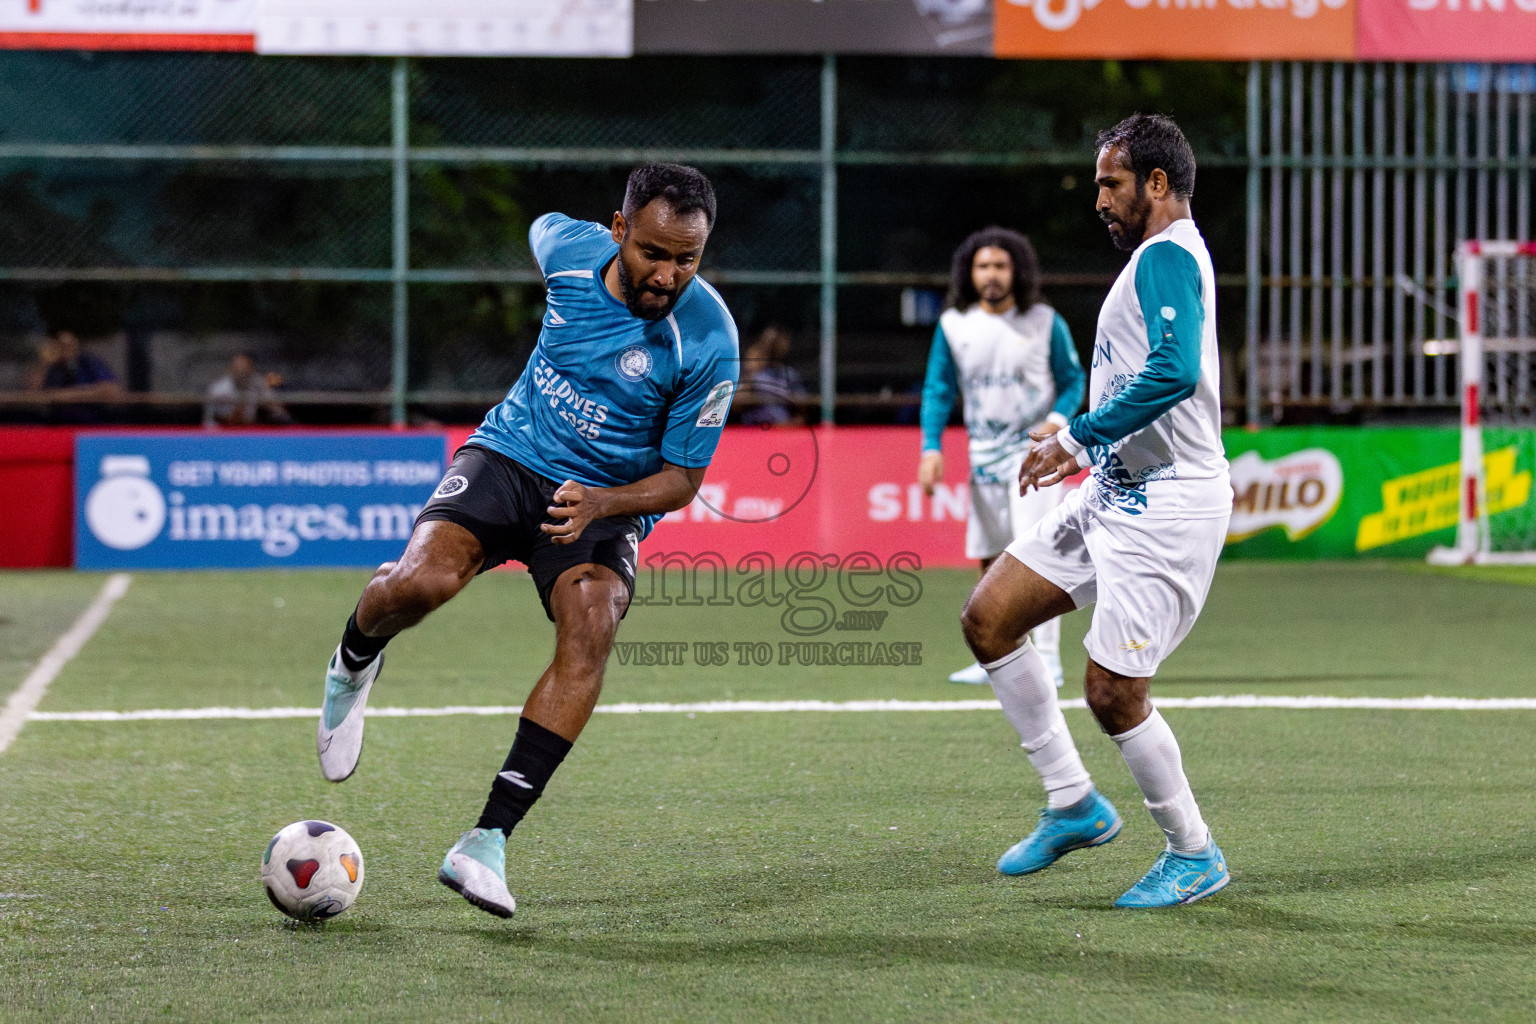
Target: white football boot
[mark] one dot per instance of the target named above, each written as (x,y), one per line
(972,675)
(476,868)
(341,715)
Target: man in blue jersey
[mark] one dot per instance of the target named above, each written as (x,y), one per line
(611,425)
(1139,540)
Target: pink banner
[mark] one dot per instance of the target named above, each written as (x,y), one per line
(1474,30)
(831,491)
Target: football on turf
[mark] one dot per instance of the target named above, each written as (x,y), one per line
(312,870)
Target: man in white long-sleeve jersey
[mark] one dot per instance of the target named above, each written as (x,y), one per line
(1140,539)
(1010,357)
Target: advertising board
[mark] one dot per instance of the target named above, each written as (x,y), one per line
(236,501)
(1334,492)
(1177,29)
(1474,30)
(814,26)
(91,25)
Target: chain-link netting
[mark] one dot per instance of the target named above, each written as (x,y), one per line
(192,99)
(126,226)
(1506,318)
(646,102)
(209,202)
(174,214)
(1013,107)
(477,217)
(1509,339)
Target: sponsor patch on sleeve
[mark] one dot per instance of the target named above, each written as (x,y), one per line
(716,405)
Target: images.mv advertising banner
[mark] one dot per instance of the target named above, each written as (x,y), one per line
(186,501)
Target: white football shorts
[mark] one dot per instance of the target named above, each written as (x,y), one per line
(1000,515)
(1149,577)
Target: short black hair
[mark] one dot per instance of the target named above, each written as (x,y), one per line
(1026,267)
(1152,141)
(685,189)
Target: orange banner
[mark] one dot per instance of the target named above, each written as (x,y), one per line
(1178,29)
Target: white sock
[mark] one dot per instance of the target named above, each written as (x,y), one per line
(1152,755)
(1028,694)
(1047,640)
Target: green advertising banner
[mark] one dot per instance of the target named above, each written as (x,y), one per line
(1347,492)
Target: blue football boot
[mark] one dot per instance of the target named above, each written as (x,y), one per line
(1092,821)
(1178,878)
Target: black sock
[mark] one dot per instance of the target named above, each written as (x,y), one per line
(358,650)
(536,753)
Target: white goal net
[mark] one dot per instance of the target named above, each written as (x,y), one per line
(1496,521)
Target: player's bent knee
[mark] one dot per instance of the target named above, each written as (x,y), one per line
(1118,703)
(981,627)
(422,591)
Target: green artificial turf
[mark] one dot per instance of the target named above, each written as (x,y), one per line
(776,867)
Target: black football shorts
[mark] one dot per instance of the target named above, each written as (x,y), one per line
(503,503)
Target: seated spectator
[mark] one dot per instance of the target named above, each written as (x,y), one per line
(769,387)
(243,397)
(69,376)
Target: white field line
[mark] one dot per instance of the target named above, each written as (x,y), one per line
(18,709)
(718,706)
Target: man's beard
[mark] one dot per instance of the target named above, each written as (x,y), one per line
(632,294)
(995,294)
(1132,230)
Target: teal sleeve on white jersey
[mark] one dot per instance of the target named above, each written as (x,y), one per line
(1071,381)
(1169,291)
(940,387)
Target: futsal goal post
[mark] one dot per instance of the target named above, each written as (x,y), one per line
(1496,304)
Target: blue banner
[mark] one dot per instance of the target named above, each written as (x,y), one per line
(246,501)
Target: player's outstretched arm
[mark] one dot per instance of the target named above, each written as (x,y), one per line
(576,504)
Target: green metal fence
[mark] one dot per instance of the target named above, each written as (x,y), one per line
(1362,179)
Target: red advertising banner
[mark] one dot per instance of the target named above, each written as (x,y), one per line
(76,25)
(829,491)
(1473,30)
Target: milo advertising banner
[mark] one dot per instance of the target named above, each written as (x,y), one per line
(1342,492)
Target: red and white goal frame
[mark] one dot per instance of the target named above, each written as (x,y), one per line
(1474,540)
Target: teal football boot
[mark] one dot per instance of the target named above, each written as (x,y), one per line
(1179,878)
(1092,821)
(476,868)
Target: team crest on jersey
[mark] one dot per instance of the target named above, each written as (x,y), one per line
(716,405)
(634,363)
(450,486)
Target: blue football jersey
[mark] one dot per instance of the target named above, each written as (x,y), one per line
(606,396)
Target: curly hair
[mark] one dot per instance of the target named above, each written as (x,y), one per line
(1026,268)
